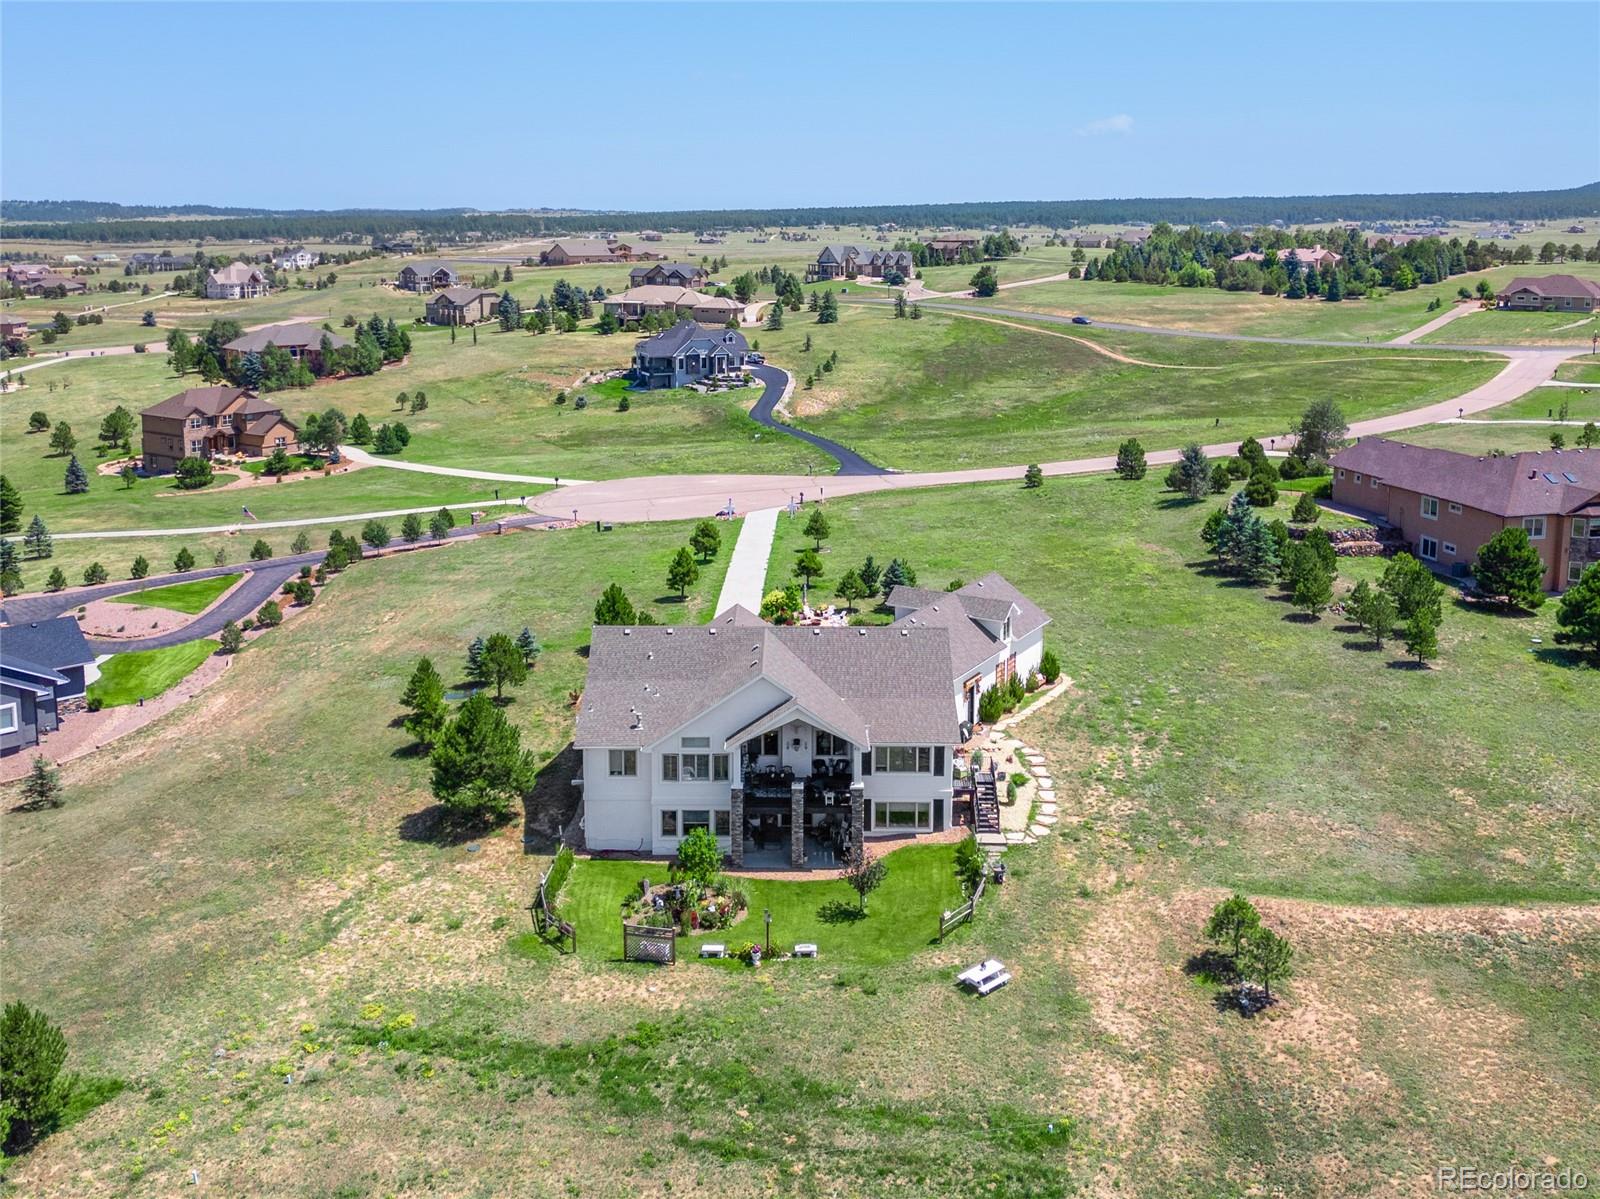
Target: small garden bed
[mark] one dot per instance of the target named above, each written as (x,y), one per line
(687,905)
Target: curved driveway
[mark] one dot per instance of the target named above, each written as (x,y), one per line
(778,383)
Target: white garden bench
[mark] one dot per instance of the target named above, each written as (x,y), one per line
(713,949)
(805,949)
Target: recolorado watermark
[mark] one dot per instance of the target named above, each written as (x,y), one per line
(1512,1180)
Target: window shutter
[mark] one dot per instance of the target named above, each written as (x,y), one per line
(866,762)
(938,759)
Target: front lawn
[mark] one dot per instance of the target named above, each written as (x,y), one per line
(147,673)
(192,597)
(902,915)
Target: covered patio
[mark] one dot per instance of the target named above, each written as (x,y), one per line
(799,801)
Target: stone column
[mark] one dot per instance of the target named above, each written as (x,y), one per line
(736,827)
(858,814)
(797,823)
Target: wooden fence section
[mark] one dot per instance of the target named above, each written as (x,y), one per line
(953,920)
(645,943)
(545,920)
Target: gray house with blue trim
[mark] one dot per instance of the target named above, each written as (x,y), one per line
(689,352)
(43,666)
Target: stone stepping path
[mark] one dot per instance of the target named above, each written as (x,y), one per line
(1047,809)
(1047,818)
(1038,830)
(1046,795)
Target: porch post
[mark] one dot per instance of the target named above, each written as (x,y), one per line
(797,823)
(858,814)
(736,827)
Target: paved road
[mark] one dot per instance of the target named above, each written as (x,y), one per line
(356,454)
(686,497)
(1459,310)
(240,526)
(778,384)
(264,581)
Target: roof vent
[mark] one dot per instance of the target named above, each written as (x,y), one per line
(650,655)
(711,632)
(905,632)
(861,632)
(816,632)
(627,632)
(669,632)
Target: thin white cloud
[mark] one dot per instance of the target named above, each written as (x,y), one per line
(1120,123)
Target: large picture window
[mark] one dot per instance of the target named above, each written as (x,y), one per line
(916,816)
(694,768)
(830,746)
(902,759)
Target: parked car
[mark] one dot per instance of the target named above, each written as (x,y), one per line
(1081,320)
(756,358)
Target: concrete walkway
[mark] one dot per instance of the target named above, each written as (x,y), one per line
(746,580)
(1460,309)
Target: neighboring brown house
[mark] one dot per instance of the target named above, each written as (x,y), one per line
(302,341)
(462,306)
(1550,293)
(426,276)
(949,246)
(1448,504)
(585,249)
(38,285)
(204,422)
(669,274)
(13,328)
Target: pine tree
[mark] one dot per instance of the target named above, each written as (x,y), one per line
(1194,472)
(775,317)
(1130,459)
(1422,635)
(1508,565)
(706,540)
(817,527)
(425,702)
(828,310)
(57,580)
(682,571)
(140,568)
(529,645)
(614,608)
(475,659)
(36,541)
(10,507)
(42,786)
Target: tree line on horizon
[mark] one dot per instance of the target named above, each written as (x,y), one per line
(105,221)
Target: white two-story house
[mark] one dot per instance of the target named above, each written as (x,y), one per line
(790,743)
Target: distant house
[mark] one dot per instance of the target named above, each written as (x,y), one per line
(13,328)
(426,277)
(395,245)
(847,262)
(1448,504)
(104,257)
(236,281)
(301,340)
(1576,229)
(24,273)
(205,422)
(65,284)
(45,667)
(637,302)
(668,274)
(1549,293)
(1311,258)
(655,235)
(950,246)
(462,306)
(570,251)
(163,261)
(300,260)
(688,353)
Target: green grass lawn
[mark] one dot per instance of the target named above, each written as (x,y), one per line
(1263,752)
(1486,436)
(193,597)
(946,393)
(1370,319)
(1548,403)
(1580,370)
(147,673)
(902,915)
(1499,327)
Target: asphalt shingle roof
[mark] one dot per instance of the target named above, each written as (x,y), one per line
(1535,483)
(297,334)
(52,644)
(675,340)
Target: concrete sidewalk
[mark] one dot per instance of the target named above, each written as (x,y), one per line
(746,580)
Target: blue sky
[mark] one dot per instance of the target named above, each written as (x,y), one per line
(337,105)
